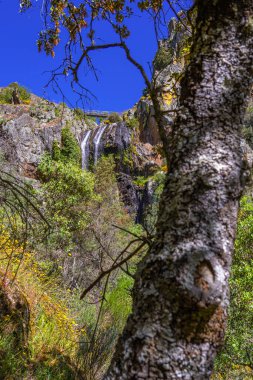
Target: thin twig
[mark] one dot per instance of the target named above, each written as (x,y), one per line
(112,268)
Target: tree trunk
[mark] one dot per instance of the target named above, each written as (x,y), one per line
(181,288)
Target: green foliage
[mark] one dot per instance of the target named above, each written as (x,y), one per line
(90,119)
(82,208)
(151,213)
(70,149)
(12,358)
(57,112)
(68,179)
(6,96)
(119,301)
(79,114)
(59,109)
(128,154)
(133,123)
(55,366)
(238,349)
(127,158)
(68,189)
(104,173)
(117,306)
(48,349)
(2,122)
(141,181)
(56,151)
(114,117)
(7,93)
(163,58)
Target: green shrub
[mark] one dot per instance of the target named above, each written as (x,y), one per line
(6,94)
(119,301)
(79,114)
(127,158)
(140,181)
(133,123)
(237,354)
(2,122)
(12,358)
(114,117)
(56,151)
(57,112)
(70,149)
(163,58)
(66,187)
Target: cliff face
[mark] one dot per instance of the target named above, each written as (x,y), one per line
(133,157)
(27,131)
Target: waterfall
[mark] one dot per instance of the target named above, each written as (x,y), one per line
(85,150)
(96,141)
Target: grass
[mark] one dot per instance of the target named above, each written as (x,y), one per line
(53,332)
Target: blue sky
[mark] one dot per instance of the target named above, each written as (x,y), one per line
(119,85)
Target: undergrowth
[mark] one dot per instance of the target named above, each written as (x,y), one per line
(66,340)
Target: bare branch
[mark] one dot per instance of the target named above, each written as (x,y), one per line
(111,269)
(85,54)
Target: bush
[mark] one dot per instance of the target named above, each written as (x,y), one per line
(235,360)
(70,149)
(133,123)
(79,114)
(163,58)
(67,189)
(50,352)
(56,151)
(119,301)
(6,94)
(114,117)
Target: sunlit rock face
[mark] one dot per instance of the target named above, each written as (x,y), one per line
(133,158)
(28,131)
(148,127)
(117,138)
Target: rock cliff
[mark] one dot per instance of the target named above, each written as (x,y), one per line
(27,131)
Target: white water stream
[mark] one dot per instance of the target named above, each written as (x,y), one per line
(85,149)
(96,141)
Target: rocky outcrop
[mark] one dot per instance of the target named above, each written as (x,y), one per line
(129,193)
(145,200)
(168,66)
(26,132)
(117,138)
(148,127)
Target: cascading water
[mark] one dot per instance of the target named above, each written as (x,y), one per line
(85,150)
(97,140)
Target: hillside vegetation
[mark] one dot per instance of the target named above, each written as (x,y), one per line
(68,230)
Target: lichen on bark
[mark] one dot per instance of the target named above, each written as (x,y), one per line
(181,288)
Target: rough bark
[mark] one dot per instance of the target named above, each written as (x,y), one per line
(181,288)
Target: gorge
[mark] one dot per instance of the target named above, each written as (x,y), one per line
(79,198)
